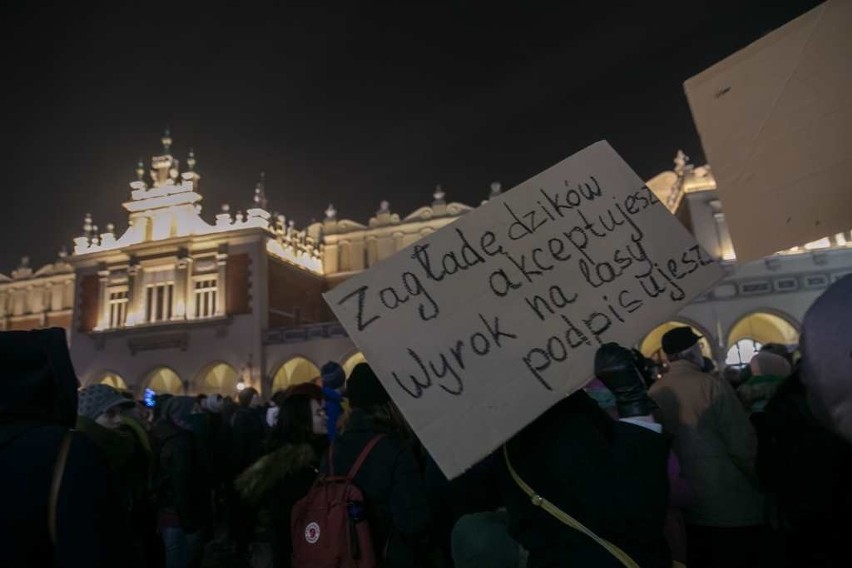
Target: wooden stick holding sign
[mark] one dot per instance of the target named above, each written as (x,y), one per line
(478,328)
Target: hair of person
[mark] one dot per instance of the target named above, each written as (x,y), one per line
(246,395)
(278,397)
(295,418)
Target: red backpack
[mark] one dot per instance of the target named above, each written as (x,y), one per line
(328,526)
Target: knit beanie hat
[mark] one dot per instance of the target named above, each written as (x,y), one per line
(365,389)
(333,375)
(95,400)
(768,363)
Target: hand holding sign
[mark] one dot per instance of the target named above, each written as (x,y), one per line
(480,327)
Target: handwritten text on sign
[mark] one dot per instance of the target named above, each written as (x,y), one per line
(478,328)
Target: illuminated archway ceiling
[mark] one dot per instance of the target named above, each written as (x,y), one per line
(764,328)
(164,380)
(221,378)
(295,371)
(114,381)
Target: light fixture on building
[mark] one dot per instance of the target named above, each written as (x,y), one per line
(244,379)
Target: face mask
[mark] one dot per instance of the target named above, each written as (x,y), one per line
(272,416)
(319,422)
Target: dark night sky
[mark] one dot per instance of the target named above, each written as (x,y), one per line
(349,104)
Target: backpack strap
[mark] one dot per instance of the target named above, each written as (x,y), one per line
(562,516)
(363,456)
(56,483)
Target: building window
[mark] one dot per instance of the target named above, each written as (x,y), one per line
(158,302)
(741,352)
(117,307)
(205,297)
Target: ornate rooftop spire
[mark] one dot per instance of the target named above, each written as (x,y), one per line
(166,140)
(496,189)
(260,192)
(384,207)
(681,160)
(190,160)
(439,194)
(330,213)
(140,170)
(87,224)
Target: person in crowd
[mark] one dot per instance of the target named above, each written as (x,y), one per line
(610,475)
(333,385)
(99,411)
(247,434)
(396,505)
(59,508)
(274,483)
(183,497)
(160,403)
(804,460)
(217,449)
(99,416)
(716,446)
(768,371)
(143,512)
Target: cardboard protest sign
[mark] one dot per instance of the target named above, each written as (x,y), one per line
(478,328)
(776,124)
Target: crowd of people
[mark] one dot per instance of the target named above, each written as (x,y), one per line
(642,468)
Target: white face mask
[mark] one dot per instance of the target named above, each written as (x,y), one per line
(319,422)
(272,416)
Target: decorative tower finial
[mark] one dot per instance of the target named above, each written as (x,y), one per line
(87,224)
(384,207)
(330,213)
(496,189)
(167,140)
(260,192)
(681,160)
(439,194)
(63,253)
(140,170)
(190,160)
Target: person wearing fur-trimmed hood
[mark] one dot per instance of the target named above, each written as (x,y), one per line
(276,481)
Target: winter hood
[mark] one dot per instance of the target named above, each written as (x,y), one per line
(39,382)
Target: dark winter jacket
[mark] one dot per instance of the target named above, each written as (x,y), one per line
(272,485)
(806,469)
(182,491)
(611,476)
(38,406)
(392,484)
(248,432)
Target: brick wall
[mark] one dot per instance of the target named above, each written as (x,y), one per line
(25,324)
(295,296)
(89,302)
(63,320)
(238,284)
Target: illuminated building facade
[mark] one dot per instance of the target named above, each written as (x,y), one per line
(182,305)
